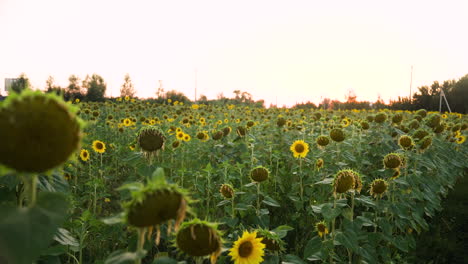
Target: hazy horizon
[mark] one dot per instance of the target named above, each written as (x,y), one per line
(294,51)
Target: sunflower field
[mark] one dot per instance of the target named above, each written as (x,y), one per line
(132,181)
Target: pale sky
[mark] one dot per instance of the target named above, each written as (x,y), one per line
(289,51)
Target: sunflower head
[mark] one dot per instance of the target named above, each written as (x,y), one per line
(84,155)
(241,131)
(157,203)
(439,128)
(460,139)
(99,146)
(344,181)
(227,191)
(392,161)
(259,174)
(175,144)
(39,131)
(380,118)
(299,149)
(425,143)
(323,140)
(396,173)
(337,135)
(433,120)
(199,238)
(248,249)
(321,228)
(226,131)
(414,124)
(365,125)
(378,187)
(280,122)
(406,142)
(420,134)
(271,240)
(422,113)
(218,135)
(397,118)
(150,139)
(319,163)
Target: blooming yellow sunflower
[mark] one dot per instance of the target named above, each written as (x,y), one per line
(127,122)
(460,139)
(248,249)
(84,155)
(187,138)
(127,98)
(321,228)
(99,146)
(299,149)
(180,135)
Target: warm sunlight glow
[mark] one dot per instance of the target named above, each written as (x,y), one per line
(280,51)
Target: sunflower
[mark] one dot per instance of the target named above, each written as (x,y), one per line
(99,146)
(321,228)
(127,122)
(187,138)
(248,249)
(461,139)
(180,135)
(84,155)
(299,149)
(378,187)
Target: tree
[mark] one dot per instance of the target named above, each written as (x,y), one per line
(127,88)
(176,96)
(51,87)
(96,87)
(20,84)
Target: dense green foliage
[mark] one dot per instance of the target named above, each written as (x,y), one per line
(365,223)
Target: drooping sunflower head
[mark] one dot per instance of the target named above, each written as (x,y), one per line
(39,132)
(150,139)
(321,228)
(259,174)
(414,124)
(422,113)
(420,134)
(241,131)
(392,161)
(227,191)
(248,249)
(319,163)
(199,238)
(396,173)
(272,240)
(439,128)
(323,140)
(406,142)
(155,204)
(378,187)
(217,135)
(344,181)
(425,143)
(380,118)
(175,144)
(84,155)
(226,131)
(433,120)
(365,125)
(337,135)
(280,122)
(397,118)
(299,149)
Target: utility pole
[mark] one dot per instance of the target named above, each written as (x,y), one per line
(411,83)
(196,84)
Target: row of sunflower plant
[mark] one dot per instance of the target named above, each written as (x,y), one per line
(130,181)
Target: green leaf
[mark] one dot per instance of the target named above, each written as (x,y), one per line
(223,202)
(158,177)
(330,213)
(347,240)
(326,181)
(115,219)
(164,260)
(292,259)
(123,257)
(270,201)
(26,232)
(313,247)
(64,237)
(282,230)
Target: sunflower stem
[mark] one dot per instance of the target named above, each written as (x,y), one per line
(141,243)
(33,190)
(258,199)
(300,179)
(233,212)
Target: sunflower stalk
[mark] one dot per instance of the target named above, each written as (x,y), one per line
(140,243)
(258,199)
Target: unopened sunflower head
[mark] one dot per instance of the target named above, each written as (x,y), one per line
(259,174)
(425,143)
(337,135)
(39,131)
(199,238)
(344,181)
(271,240)
(406,142)
(323,140)
(380,118)
(378,187)
(227,191)
(392,161)
(150,139)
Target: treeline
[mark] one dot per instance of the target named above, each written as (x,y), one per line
(93,88)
